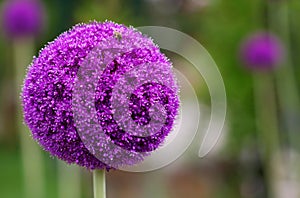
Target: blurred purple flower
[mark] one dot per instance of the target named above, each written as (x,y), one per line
(48,88)
(22,17)
(262,51)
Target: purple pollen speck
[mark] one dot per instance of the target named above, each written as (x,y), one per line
(22,17)
(262,51)
(49,87)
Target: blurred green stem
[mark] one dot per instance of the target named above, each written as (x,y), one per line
(33,169)
(289,99)
(267,124)
(68,180)
(99,184)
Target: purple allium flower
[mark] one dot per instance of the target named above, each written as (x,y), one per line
(262,51)
(22,17)
(49,87)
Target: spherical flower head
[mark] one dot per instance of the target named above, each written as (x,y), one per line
(262,51)
(80,104)
(22,18)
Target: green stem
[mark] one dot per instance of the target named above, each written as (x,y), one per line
(68,181)
(99,185)
(289,99)
(33,170)
(267,124)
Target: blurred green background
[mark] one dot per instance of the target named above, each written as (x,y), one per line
(239,166)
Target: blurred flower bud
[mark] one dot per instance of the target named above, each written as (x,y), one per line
(262,51)
(22,18)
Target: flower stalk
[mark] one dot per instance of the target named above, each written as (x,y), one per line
(32,159)
(267,124)
(99,184)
